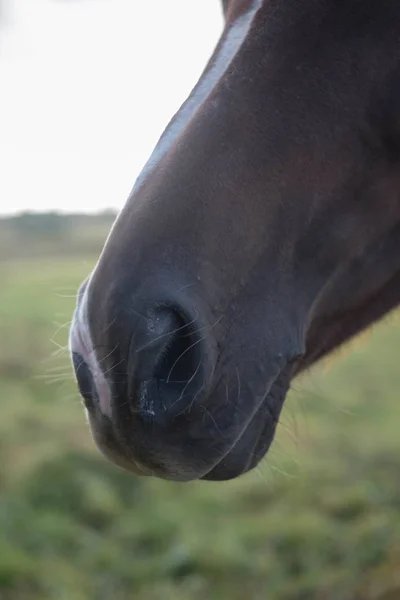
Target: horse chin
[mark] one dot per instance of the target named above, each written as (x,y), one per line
(249,450)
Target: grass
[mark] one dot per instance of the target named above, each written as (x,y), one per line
(318,520)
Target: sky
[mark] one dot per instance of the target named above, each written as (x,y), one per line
(87,87)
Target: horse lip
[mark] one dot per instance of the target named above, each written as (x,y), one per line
(109,445)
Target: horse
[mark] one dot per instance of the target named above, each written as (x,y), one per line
(263,233)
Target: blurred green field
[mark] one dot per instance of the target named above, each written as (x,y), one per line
(318,520)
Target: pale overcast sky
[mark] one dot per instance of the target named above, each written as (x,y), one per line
(87,86)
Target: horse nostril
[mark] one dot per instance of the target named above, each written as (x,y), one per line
(168,365)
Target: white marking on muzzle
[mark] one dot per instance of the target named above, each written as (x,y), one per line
(81,341)
(230,46)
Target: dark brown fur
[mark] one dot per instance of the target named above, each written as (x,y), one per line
(269,232)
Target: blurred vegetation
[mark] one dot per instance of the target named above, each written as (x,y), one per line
(318,520)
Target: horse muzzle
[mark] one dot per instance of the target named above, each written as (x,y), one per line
(158,400)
